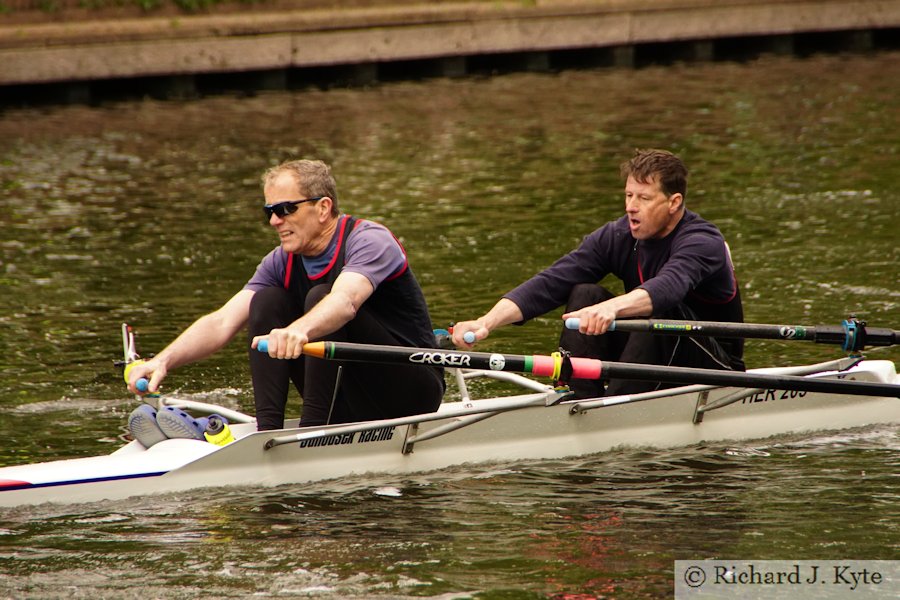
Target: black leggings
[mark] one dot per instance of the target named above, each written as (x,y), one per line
(644,348)
(365,391)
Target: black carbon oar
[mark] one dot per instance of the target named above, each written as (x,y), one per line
(852,335)
(562,368)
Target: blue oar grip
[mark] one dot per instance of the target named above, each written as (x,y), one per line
(142,385)
(575,322)
(469,337)
(263,346)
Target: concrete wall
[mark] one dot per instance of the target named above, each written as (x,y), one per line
(128,48)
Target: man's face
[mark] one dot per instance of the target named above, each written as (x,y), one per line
(651,214)
(300,231)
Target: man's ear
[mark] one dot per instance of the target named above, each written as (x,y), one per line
(676,202)
(323,206)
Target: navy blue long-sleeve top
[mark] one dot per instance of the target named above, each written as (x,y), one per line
(691,265)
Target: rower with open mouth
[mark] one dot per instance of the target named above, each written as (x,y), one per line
(673,263)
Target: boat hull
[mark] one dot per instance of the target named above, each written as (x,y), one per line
(496,430)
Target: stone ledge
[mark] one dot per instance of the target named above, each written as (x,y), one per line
(275,40)
(822,14)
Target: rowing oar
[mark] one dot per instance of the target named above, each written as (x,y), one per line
(852,334)
(560,367)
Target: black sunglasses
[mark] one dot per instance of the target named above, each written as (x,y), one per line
(288,207)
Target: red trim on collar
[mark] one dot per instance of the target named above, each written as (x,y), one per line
(337,250)
(640,270)
(287,271)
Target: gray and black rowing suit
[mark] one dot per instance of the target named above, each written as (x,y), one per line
(286,286)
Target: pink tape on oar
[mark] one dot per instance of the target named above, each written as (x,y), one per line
(582,368)
(586,368)
(543,365)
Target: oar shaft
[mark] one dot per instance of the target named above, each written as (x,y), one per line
(852,335)
(687,375)
(544,366)
(516,363)
(586,368)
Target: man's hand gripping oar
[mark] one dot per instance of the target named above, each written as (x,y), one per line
(137,370)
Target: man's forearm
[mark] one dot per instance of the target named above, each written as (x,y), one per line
(636,303)
(209,333)
(503,313)
(202,339)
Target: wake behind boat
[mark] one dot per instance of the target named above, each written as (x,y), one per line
(540,423)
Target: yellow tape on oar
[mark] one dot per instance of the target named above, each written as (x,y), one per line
(130,366)
(557,365)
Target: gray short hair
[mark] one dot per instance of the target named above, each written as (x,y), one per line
(313,179)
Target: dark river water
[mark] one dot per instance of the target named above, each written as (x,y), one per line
(148,213)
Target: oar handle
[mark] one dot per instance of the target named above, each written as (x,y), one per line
(143,384)
(263,346)
(469,337)
(575,323)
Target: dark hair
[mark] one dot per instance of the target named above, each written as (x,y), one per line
(661,165)
(313,179)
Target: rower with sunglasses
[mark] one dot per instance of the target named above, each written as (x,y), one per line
(333,277)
